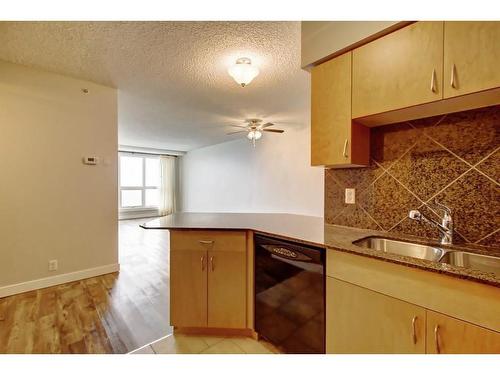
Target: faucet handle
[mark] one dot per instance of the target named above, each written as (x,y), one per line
(415,215)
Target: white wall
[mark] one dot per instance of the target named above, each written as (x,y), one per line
(52,206)
(275,176)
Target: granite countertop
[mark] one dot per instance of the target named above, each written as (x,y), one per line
(311,230)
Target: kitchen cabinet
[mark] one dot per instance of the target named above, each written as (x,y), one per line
(188,288)
(208,279)
(425,69)
(471,56)
(369,303)
(363,321)
(446,335)
(399,70)
(227,289)
(336,140)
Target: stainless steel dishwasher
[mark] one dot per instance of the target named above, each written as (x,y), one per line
(290,295)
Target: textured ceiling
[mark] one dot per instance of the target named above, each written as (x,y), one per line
(174,90)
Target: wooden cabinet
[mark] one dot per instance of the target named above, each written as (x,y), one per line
(362,321)
(399,70)
(471,57)
(370,302)
(446,335)
(226,289)
(188,288)
(335,140)
(425,69)
(208,279)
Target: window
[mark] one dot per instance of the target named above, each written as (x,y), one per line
(139,181)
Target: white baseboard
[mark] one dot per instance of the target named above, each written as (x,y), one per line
(45,282)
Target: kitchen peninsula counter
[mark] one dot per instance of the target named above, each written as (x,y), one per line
(311,230)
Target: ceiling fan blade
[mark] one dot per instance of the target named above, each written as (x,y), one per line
(273,130)
(238,126)
(239,131)
(267,124)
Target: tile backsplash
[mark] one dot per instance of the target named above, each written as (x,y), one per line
(452,158)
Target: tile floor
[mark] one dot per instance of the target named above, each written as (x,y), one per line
(194,344)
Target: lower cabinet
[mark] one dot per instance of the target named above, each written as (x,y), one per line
(188,288)
(227,289)
(208,279)
(363,321)
(446,335)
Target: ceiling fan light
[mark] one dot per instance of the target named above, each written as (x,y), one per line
(251,135)
(258,134)
(243,72)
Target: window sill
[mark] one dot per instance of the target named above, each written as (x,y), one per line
(136,209)
(136,213)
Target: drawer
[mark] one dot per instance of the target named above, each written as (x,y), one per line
(213,240)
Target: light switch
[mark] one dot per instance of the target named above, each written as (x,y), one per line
(350,196)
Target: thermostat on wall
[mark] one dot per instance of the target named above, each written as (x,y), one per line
(90,160)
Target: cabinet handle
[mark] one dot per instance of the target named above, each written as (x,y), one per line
(453,83)
(206,242)
(203,262)
(345,148)
(436,339)
(414,330)
(212,265)
(433,81)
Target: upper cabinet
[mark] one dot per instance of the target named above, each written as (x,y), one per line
(471,57)
(422,70)
(335,140)
(401,69)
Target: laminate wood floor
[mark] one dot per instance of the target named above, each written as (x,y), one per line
(114,313)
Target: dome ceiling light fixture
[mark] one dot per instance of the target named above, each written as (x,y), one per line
(254,129)
(243,72)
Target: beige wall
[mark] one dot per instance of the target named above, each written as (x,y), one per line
(324,38)
(52,206)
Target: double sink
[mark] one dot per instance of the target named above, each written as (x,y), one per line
(484,263)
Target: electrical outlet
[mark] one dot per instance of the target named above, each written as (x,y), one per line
(350,196)
(53,265)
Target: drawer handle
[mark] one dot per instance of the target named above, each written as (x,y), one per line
(345,148)
(203,262)
(453,75)
(433,81)
(206,242)
(212,265)
(414,330)
(436,339)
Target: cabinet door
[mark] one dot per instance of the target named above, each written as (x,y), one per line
(188,288)
(227,289)
(361,321)
(399,70)
(447,335)
(331,111)
(471,57)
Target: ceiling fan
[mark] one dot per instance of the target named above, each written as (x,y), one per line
(254,129)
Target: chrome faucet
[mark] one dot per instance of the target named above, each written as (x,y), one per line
(446,226)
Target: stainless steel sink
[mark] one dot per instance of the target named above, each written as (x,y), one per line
(484,263)
(402,248)
(473,261)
